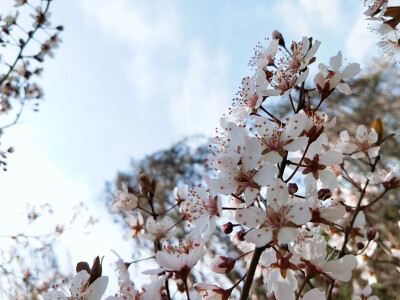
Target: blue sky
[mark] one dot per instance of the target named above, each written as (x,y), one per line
(132,77)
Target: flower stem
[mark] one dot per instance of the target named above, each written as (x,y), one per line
(250,273)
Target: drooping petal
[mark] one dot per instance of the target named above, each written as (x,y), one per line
(341,269)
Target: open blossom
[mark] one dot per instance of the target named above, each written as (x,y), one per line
(302,53)
(278,275)
(231,138)
(331,77)
(284,81)
(250,97)
(266,57)
(375,6)
(323,211)
(363,294)
(276,138)
(279,221)
(124,200)
(246,178)
(201,209)
(391,47)
(80,289)
(316,165)
(136,226)
(363,144)
(312,252)
(182,258)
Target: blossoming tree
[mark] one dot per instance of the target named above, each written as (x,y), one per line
(290,196)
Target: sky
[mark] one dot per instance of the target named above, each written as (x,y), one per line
(132,77)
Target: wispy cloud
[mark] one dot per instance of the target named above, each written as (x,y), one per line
(171,69)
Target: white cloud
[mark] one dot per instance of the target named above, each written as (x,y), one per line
(305,17)
(361,42)
(169,68)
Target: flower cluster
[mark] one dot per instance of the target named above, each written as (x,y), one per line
(289,188)
(385,20)
(21,64)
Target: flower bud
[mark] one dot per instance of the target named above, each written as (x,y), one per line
(227,228)
(371,233)
(324,194)
(360,246)
(379,128)
(276,35)
(293,188)
(241,234)
(222,264)
(83,265)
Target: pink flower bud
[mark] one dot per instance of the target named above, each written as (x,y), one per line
(324,194)
(222,264)
(360,246)
(227,228)
(293,188)
(241,234)
(371,233)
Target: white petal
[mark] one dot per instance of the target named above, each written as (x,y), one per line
(344,88)
(265,175)
(259,237)
(373,151)
(351,70)
(78,282)
(361,133)
(55,295)
(277,194)
(251,154)
(341,269)
(250,217)
(250,195)
(299,213)
(272,157)
(314,294)
(328,178)
(331,158)
(335,62)
(271,92)
(97,288)
(287,234)
(333,213)
(302,77)
(297,144)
